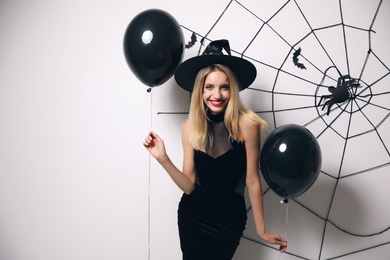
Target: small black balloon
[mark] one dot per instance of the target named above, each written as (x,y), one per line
(153,46)
(290,160)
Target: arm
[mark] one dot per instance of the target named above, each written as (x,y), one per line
(250,134)
(184,180)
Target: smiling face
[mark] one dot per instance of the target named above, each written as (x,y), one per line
(216,91)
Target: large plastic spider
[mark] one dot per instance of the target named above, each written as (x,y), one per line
(340,93)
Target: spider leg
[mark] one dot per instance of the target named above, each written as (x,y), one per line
(322,98)
(319,103)
(326,103)
(329,107)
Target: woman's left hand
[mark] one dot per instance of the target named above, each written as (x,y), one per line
(275,239)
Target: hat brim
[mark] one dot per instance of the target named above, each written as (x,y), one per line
(186,72)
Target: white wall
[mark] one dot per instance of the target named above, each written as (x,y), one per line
(75,181)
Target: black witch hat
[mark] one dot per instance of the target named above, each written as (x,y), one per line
(186,72)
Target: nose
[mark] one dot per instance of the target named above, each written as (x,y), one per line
(217,93)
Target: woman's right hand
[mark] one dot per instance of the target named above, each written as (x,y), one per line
(275,239)
(155,145)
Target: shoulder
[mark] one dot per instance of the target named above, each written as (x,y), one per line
(185,127)
(249,129)
(250,136)
(245,122)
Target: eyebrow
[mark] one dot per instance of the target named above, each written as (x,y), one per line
(210,84)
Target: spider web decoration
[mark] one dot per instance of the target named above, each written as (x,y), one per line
(323,65)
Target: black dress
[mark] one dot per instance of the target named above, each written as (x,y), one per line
(212,218)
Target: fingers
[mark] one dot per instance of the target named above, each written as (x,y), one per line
(283,249)
(277,239)
(155,136)
(280,240)
(150,138)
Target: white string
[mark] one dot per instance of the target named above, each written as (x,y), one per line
(149,208)
(285,232)
(285,229)
(150,163)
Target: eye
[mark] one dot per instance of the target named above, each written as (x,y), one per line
(208,86)
(225,87)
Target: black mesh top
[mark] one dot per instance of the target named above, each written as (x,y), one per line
(222,169)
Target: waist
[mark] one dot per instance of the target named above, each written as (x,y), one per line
(226,205)
(218,196)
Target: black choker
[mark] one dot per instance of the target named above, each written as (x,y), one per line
(215,118)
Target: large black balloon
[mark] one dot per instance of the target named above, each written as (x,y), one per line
(153,46)
(290,160)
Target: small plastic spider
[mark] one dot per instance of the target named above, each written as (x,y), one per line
(340,93)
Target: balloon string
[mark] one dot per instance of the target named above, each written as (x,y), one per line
(151,107)
(150,164)
(285,230)
(149,208)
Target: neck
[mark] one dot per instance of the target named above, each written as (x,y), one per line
(216,118)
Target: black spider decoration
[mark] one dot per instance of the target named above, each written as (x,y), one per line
(340,93)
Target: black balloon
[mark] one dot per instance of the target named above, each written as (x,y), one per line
(153,46)
(290,160)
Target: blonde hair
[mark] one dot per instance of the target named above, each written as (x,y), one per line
(200,134)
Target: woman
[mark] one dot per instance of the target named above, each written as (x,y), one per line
(221,146)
